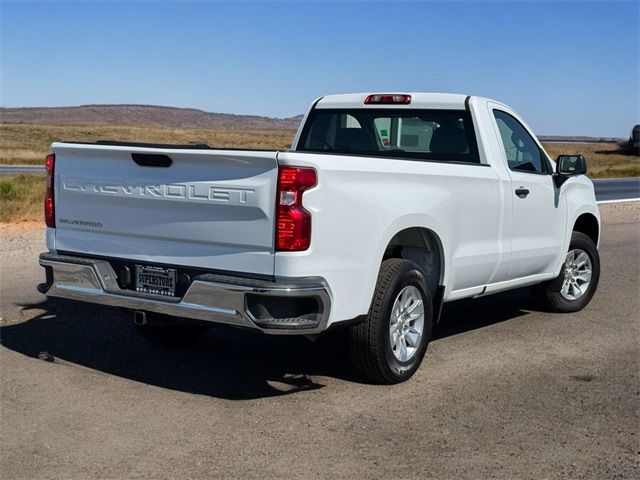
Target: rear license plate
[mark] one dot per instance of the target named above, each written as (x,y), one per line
(157,280)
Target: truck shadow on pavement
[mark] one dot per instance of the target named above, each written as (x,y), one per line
(227,362)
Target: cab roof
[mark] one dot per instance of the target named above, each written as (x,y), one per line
(444,101)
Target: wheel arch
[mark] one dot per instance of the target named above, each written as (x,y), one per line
(423,246)
(584,218)
(588,224)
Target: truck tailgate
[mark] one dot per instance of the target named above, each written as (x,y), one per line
(210,209)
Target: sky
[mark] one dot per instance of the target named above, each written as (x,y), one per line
(569,68)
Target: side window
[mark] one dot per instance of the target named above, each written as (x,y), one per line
(523,154)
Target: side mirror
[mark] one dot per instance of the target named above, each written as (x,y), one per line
(571,165)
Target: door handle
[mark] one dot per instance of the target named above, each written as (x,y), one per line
(522,192)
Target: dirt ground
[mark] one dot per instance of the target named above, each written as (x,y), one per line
(506,391)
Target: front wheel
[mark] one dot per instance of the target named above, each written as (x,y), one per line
(390,344)
(575,286)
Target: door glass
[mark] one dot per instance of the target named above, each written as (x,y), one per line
(523,154)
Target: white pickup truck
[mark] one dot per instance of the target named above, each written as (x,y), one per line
(386,206)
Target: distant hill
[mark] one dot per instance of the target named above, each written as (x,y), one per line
(143,115)
(174,117)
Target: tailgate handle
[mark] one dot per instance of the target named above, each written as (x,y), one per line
(151,159)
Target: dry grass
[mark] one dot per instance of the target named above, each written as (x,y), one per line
(604,160)
(21,197)
(27,144)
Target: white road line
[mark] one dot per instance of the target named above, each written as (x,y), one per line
(620,200)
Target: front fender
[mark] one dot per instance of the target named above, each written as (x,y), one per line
(580,199)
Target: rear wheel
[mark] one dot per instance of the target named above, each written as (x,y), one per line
(573,289)
(390,344)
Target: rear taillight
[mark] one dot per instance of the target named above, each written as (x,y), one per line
(293,222)
(49,203)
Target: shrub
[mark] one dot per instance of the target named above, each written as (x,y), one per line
(7,189)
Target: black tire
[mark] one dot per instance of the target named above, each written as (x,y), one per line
(548,294)
(369,341)
(169,333)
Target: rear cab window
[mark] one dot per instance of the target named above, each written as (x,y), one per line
(414,134)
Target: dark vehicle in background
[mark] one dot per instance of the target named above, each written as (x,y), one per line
(634,139)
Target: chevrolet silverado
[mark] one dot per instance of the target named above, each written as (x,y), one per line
(385,207)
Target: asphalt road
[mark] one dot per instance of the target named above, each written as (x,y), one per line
(617,189)
(15,169)
(606,190)
(506,391)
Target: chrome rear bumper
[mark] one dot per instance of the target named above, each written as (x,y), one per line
(210,297)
